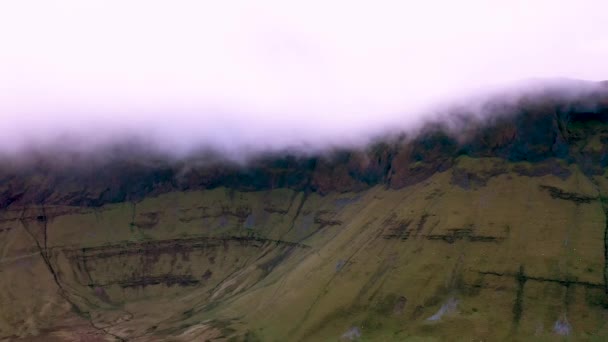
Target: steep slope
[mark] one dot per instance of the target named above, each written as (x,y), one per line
(501,234)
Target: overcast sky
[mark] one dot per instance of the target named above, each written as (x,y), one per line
(271,73)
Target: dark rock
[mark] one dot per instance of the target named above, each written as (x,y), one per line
(568,196)
(545,130)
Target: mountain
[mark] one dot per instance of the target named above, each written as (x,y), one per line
(476,227)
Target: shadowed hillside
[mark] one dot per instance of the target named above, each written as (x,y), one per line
(492,228)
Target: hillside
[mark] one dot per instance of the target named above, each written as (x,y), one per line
(494,229)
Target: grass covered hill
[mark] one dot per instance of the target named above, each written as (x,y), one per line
(493,229)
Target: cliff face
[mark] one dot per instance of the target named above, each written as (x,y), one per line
(494,230)
(533,129)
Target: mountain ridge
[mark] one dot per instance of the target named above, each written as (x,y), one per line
(531,130)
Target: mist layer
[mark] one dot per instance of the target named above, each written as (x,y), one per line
(268,75)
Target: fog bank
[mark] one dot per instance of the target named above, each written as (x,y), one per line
(248,76)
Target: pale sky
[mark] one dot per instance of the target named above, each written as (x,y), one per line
(271,73)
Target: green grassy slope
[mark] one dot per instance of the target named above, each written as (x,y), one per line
(468,253)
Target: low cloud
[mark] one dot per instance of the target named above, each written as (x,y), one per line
(241,77)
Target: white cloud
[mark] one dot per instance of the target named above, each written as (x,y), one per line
(271,73)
